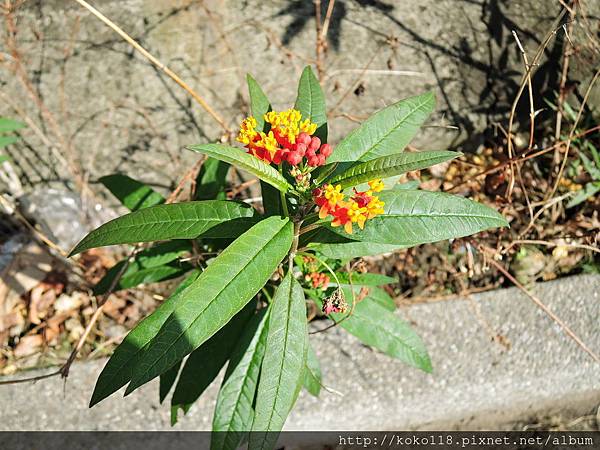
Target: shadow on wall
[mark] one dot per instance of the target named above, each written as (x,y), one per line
(500,67)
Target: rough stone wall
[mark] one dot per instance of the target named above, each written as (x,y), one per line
(117,112)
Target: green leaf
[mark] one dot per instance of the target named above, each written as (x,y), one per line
(204,364)
(376,326)
(365,279)
(7,125)
(148,266)
(220,292)
(244,161)
(387,131)
(349,250)
(312,373)
(212,180)
(131,193)
(379,295)
(174,221)
(7,140)
(594,152)
(282,370)
(589,190)
(392,165)
(139,276)
(322,235)
(409,185)
(590,167)
(311,102)
(234,412)
(417,217)
(162,253)
(4,158)
(271,199)
(259,103)
(167,380)
(118,370)
(374,294)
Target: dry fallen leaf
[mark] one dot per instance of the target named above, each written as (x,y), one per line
(28,345)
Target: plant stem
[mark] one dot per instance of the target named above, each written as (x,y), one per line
(294,248)
(286,212)
(311,227)
(326,174)
(311,216)
(329,269)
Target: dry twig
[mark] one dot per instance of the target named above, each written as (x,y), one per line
(158,64)
(537,301)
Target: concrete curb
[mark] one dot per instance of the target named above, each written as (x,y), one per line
(477,383)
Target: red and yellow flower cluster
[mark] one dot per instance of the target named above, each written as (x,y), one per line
(289,139)
(361,206)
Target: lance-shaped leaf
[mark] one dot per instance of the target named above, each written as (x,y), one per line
(234,412)
(7,140)
(162,222)
(379,295)
(204,364)
(353,249)
(220,292)
(312,373)
(244,161)
(148,266)
(372,294)
(417,217)
(118,370)
(589,190)
(259,103)
(387,131)
(391,165)
(378,327)
(408,186)
(131,193)
(311,102)
(167,380)
(211,180)
(7,125)
(364,279)
(139,276)
(271,199)
(322,234)
(282,370)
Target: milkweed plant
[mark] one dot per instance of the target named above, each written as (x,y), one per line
(259,276)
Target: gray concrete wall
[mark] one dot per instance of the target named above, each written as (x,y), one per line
(118,113)
(477,383)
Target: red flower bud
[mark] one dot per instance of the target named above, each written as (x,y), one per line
(313,161)
(326,150)
(315,143)
(294,158)
(301,148)
(303,138)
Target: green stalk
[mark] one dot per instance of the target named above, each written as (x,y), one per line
(284,204)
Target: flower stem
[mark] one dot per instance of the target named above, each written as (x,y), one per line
(312,226)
